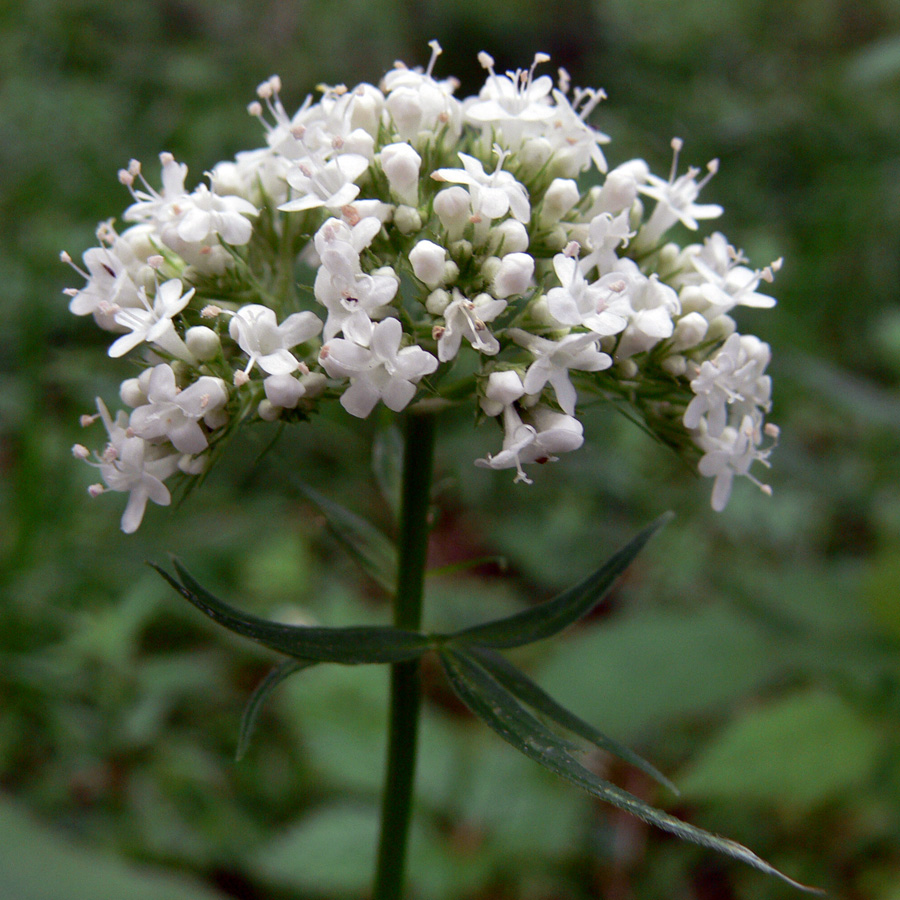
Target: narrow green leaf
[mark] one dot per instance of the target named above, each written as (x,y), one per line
(371,548)
(351,645)
(529,693)
(554,615)
(260,695)
(501,712)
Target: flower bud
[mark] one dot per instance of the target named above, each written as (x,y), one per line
(693,299)
(203,342)
(313,384)
(514,275)
(534,154)
(437,302)
(453,208)
(689,331)
(561,196)
(283,391)
(510,236)
(427,260)
(401,165)
(267,411)
(503,389)
(407,219)
(720,328)
(366,107)
(132,394)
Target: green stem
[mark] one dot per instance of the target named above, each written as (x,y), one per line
(396,806)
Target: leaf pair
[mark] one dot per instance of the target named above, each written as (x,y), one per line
(504,698)
(492,689)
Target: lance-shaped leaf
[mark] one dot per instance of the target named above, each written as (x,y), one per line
(501,712)
(554,615)
(526,691)
(370,547)
(260,695)
(351,645)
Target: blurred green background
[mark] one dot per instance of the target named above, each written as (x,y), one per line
(754,655)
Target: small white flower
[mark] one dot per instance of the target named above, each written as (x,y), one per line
(267,343)
(494,195)
(467,319)
(675,199)
(130,465)
(602,306)
(174,414)
(329,184)
(377,367)
(153,324)
(554,359)
(544,433)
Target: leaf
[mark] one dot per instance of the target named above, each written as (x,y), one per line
(525,690)
(795,753)
(501,712)
(554,615)
(351,645)
(37,863)
(371,548)
(260,695)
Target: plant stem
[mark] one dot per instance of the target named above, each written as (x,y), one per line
(396,806)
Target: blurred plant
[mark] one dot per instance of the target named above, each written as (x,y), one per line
(457,261)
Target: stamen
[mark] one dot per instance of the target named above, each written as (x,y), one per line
(436,51)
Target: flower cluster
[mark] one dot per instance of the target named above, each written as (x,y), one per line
(452,255)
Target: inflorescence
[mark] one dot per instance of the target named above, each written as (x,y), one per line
(453,257)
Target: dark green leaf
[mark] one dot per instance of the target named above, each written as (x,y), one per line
(370,547)
(525,690)
(554,615)
(351,645)
(260,695)
(501,712)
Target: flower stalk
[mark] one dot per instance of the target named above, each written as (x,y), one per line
(396,808)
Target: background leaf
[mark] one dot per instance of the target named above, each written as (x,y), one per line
(794,754)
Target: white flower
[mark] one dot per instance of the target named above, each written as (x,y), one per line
(466,318)
(732,453)
(267,343)
(675,199)
(575,144)
(492,195)
(328,184)
(601,306)
(130,465)
(553,359)
(502,390)
(512,102)
(203,215)
(723,279)
(731,385)
(537,440)
(154,323)
(175,414)
(110,286)
(422,108)
(378,369)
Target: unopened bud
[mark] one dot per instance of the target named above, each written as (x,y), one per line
(203,342)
